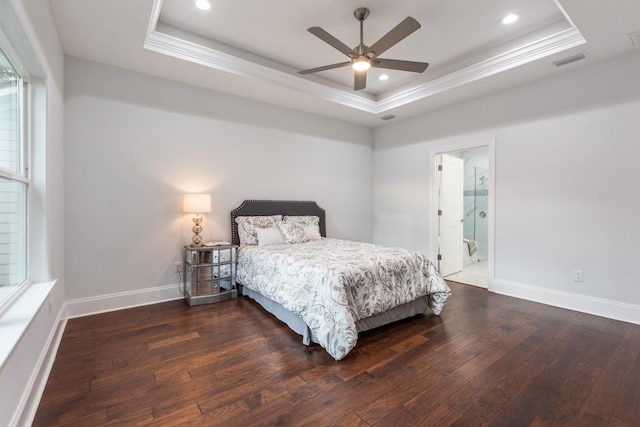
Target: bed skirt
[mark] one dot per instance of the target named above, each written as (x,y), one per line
(298,325)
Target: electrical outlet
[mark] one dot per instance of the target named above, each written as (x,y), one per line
(178,265)
(577,275)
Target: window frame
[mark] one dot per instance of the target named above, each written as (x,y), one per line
(23,174)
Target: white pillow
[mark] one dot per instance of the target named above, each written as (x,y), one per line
(312,232)
(269,236)
(247,226)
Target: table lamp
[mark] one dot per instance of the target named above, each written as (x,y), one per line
(197,204)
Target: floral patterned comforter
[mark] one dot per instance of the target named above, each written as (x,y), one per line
(333,283)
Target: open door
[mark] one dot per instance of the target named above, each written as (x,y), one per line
(451,214)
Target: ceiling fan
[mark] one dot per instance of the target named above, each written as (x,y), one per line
(363,57)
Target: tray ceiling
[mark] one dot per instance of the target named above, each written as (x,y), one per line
(254,49)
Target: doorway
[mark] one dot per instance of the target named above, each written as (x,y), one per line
(464,198)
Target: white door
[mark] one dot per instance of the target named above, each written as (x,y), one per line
(452,215)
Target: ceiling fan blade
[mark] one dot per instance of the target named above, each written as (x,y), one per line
(395,64)
(326,67)
(328,38)
(360,81)
(399,32)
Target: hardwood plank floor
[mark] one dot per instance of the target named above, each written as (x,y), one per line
(487,360)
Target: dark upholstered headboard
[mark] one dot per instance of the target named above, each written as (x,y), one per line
(276,207)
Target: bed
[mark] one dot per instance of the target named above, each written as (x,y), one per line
(328,290)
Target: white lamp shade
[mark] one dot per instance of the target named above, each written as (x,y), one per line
(197,203)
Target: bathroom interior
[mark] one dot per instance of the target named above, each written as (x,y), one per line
(475,245)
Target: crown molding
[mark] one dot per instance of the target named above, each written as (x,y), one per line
(286,77)
(189,51)
(544,47)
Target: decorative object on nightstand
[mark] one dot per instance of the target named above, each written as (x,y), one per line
(209,273)
(197,204)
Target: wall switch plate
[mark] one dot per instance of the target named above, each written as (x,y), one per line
(577,275)
(178,265)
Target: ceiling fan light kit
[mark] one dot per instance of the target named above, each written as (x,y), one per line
(363,57)
(361,65)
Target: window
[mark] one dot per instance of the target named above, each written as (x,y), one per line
(14,182)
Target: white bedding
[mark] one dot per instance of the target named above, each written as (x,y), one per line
(333,283)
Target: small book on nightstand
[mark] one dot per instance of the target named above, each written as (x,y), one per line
(212,244)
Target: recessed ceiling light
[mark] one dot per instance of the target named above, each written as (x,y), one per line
(510,18)
(203,4)
(384,77)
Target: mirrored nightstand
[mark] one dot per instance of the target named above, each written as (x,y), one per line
(209,274)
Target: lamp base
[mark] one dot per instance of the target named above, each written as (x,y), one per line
(197,228)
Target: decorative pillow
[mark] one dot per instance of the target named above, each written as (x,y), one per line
(292,228)
(269,236)
(247,227)
(312,232)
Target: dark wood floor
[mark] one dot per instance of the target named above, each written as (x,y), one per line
(489,359)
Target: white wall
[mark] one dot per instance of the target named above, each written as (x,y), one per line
(567,155)
(135,144)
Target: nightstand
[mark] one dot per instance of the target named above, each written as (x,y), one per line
(209,274)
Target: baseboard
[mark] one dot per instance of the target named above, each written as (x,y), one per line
(121,300)
(30,401)
(585,304)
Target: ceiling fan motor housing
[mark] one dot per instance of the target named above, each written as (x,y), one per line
(361,13)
